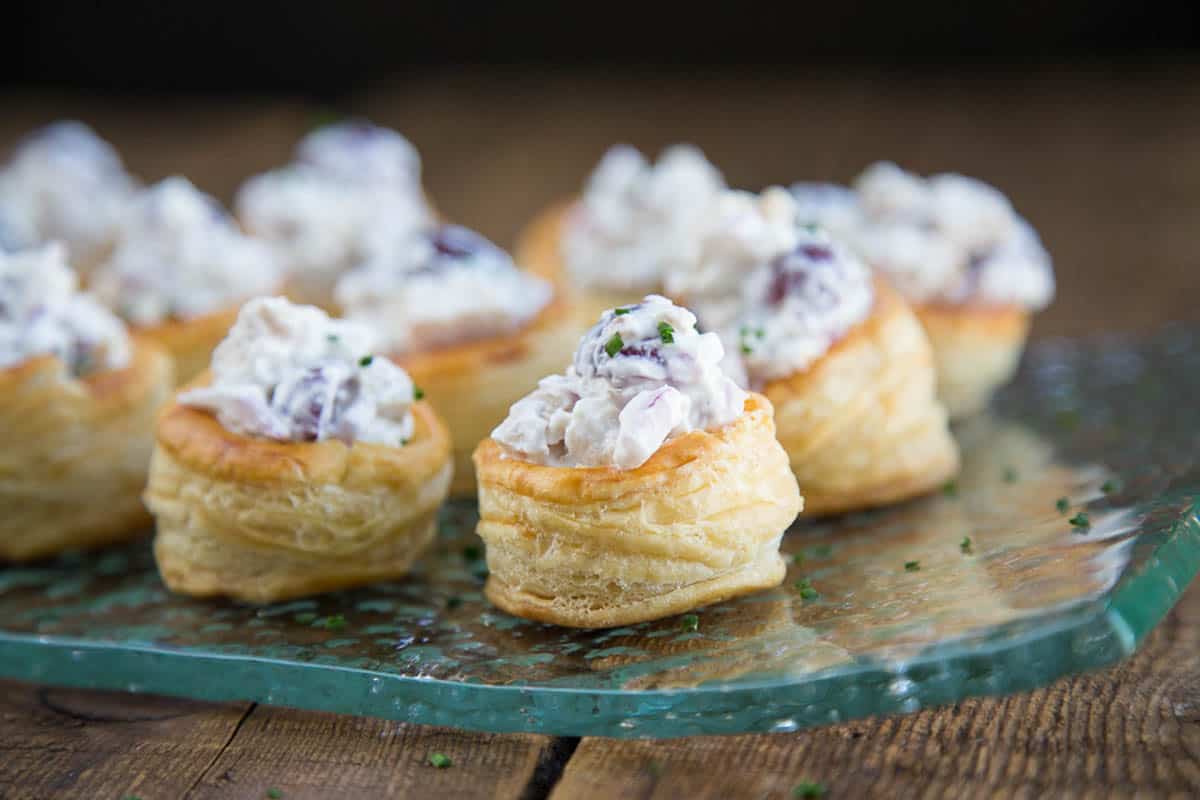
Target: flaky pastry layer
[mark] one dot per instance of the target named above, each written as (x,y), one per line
(698,523)
(976,350)
(75,452)
(862,426)
(263,521)
(472,385)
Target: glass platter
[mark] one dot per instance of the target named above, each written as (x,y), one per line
(1007,593)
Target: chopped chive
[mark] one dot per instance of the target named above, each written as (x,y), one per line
(1111,486)
(1062,504)
(666,333)
(305,617)
(332,623)
(614,345)
(621,311)
(965,544)
(1010,475)
(333,338)
(821,551)
(418,393)
(809,789)
(950,489)
(798,558)
(453,602)
(689,623)
(472,553)
(746,349)
(274,793)
(1080,521)
(440,760)
(912,566)
(365,361)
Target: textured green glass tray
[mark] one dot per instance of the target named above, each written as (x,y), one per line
(1005,593)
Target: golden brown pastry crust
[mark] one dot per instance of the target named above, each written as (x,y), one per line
(262,521)
(75,452)
(976,349)
(698,523)
(472,385)
(862,425)
(191,342)
(539,250)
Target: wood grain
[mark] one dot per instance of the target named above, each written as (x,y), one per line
(1129,731)
(311,755)
(64,743)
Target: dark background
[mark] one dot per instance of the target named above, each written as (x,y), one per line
(324,51)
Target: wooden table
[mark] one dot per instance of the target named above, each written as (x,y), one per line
(1105,164)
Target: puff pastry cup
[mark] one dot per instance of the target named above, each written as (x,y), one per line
(191,342)
(261,520)
(539,250)
(473,384)
(75,452)
(596,547)
(976,349)
(862,426)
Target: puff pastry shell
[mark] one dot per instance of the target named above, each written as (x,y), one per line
(191,342)
(699,522)
(261,520)
(862,426)
(75,452)
(472,385)
(976,350)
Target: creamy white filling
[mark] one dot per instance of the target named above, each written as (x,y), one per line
(634,216)
(797,305)
(320,211)
(641,376)
(439,287)
(739,232)
(65,184)
(181,256)
(950,238)
(43,313)
(830,206)
(291,373)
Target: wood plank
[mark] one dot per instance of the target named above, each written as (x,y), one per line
(313,755)
(65,743)
(1133,730)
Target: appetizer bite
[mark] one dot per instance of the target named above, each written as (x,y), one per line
(473,331)
(347,180)
(79,397)
(611,245)
(972,268)
(303,464)
(181,271)
(839,355)
(64,183)
(640,483)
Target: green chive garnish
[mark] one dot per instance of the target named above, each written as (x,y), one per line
(950,489)
(620,312)
(332,623)
(365,361)
(274,793)
(1111,486)
(305,617)
(821,551)
(1080,521)
(1010,475)
(912,566)
(809,789)
(689,623)
(798,558)
(666,333)
(965,544)
(333,338)
(614,345)
(1062,504)
(453,602)
(418,393)
(472,553)
(440,760)
(746,349)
